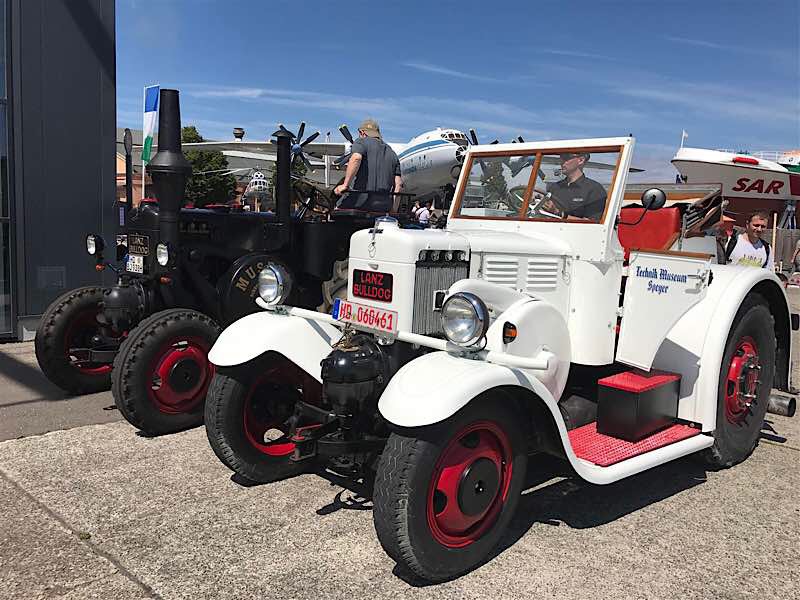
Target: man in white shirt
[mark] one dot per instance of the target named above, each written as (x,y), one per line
(748,249)
(424,214)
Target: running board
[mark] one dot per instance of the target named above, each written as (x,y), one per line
(642,459)
(604,450)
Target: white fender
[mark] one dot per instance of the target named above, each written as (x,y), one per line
(302,341)
(435,386)
(696,344)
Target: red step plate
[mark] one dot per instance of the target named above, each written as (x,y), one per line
(604,450)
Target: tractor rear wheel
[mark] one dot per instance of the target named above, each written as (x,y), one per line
(66,331)
(745,381)
(444,494)
(162,373)
(247,414)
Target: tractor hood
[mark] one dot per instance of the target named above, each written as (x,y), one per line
(387,242)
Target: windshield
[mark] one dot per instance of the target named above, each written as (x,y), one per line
(570,184)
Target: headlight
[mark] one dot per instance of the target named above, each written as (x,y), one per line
(94,244)
(162,254)
(465,319)
(274,284)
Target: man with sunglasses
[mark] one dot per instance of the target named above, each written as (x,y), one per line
(576,195)
(747,248)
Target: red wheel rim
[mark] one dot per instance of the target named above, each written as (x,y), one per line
(181,375)
(742,381)
(79,333)
(469,486)
(259,420)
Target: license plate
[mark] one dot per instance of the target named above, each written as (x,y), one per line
(135,264)
(368,317)
(139,244)
(372,285)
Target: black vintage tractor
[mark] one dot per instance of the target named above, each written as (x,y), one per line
(183,273)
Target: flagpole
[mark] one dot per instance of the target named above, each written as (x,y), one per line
(144,107)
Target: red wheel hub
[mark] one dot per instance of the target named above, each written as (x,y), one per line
(181,375)
(741,385)
(469,485)
(81,334)
(264,414)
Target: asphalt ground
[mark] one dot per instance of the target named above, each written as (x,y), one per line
(93,510)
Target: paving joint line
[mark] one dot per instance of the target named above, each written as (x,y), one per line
(780,445)
(92,547)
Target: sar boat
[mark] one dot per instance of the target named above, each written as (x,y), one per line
(762,180)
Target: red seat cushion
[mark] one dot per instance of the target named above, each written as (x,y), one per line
(658,230)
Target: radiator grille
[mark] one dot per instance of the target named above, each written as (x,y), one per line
(501,270)
(542,274)
(429,278)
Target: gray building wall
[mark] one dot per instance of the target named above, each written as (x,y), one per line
(62,99)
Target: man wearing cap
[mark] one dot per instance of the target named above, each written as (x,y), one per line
(576,195)
(373,167)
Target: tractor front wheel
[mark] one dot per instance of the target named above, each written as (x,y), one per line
(248,416)
(161,374)
(67,333)
(444,494)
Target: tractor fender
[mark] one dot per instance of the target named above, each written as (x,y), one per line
(302,341)
(696,344)
(435,386)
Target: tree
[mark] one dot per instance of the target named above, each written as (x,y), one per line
(209,183)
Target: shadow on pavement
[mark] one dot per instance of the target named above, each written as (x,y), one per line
(573,502)
(30,377)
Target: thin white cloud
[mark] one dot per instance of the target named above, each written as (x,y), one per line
(575,54)
(691,42)
(776,55)
(438,70)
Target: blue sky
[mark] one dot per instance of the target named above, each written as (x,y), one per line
(726,71)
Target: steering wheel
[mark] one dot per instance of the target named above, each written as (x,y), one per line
(539,209)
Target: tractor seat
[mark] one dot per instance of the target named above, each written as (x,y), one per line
(658,230)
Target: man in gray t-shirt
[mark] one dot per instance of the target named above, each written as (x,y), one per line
(373,167)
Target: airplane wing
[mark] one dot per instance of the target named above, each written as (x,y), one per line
(313,148)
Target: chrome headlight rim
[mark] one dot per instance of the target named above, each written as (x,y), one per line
(163,253)
(94,244)
(274,284)
(480,314)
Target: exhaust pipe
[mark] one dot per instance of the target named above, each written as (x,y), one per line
(782,405)
(169,168)
(283,179)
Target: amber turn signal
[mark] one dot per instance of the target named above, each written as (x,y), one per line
(509,332)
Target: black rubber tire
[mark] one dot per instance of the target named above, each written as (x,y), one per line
(734,443)
(132,374)
(49,343)
(401,486)
(225,406)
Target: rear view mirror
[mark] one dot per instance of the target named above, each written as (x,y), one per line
(653,199)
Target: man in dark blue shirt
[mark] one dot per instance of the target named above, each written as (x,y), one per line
(576,195)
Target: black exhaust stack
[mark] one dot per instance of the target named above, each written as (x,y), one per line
(169,169)
(283,181)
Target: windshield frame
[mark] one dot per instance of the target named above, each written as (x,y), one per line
(472,157)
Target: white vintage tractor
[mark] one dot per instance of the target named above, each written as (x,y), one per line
(523,327)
